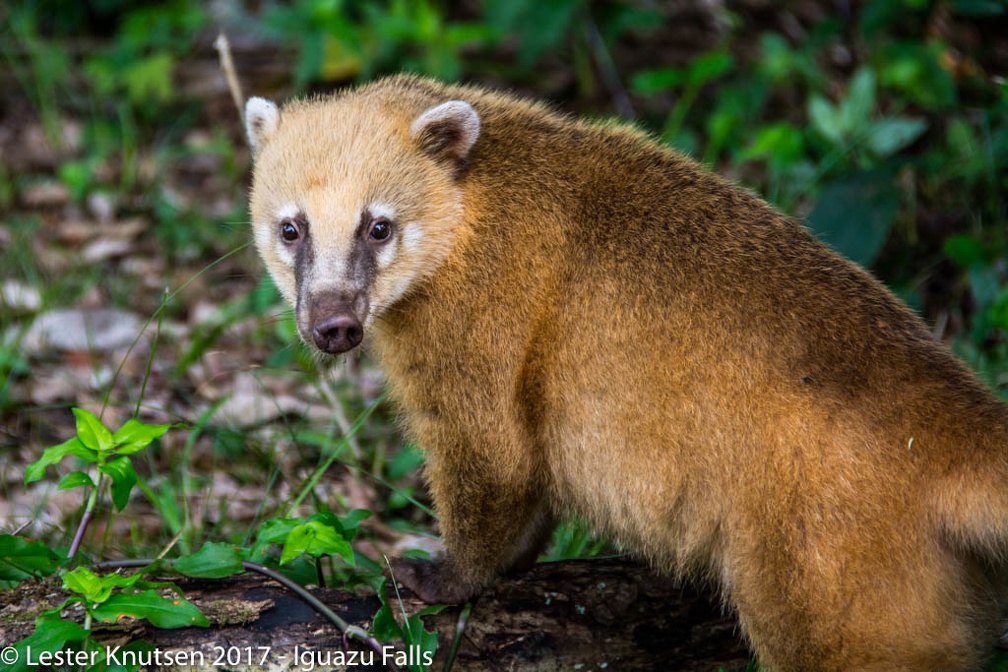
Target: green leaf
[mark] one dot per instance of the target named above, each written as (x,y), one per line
(780,144)
(384,625)
(855,213)
(212,561)
(658,80)
(826,119)
(51,634)
(124,477)
(351,521)
(709,66)
(92,433)
(148,80)
(859,103)
(85,582)
(134,436)
(888,136)
(275,530)
(966,251)
(75,479)
(315,539)
(54,454)
(150,604)
(22,558)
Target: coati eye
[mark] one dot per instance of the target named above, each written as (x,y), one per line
(380,231)
(289,231)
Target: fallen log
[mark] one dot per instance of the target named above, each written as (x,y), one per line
(608,614)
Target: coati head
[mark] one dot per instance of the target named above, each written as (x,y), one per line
(355,199)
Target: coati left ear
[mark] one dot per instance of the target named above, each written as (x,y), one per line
(447,131)
(262,118)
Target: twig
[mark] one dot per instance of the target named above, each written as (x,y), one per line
(227,65)
(350,631)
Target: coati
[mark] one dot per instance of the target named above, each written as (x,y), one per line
(574,319)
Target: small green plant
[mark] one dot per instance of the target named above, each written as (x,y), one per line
(421,643)
(105,598)
(109,455)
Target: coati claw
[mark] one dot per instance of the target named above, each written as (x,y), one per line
(432,581)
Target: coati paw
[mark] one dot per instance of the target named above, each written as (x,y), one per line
(433,580)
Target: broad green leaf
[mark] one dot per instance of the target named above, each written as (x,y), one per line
(709,66)
(212,561)
(826,119)
(351,521)
(857,106)
(150,604)
(780,144)
(415,634)
(275,530)
(51,634)
(658,80)
(315,539)
(22,558)
(888,136)
(148,80)
(855,213)
(75,479)
(124,477)
(85,582)
(92,433)
(384,625)
(966,251)
(134,436)
(54,454)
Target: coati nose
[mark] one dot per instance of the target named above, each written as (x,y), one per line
(337,333)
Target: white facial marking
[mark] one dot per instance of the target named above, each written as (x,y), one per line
(387,253)
(412,235)
(284,252)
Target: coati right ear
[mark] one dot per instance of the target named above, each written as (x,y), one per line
(262,117)
(447,131)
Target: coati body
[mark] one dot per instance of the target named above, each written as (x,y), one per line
(576,320)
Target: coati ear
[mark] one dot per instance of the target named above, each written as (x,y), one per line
(262,117)
(447,131)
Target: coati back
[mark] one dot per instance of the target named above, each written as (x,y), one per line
(576,320)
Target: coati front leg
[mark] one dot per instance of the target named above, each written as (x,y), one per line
(494,520)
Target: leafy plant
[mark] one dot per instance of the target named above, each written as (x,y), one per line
(109,453)
(104,599)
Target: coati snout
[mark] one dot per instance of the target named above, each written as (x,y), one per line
(337,333)
(334,325)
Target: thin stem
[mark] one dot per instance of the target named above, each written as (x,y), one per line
(89,510)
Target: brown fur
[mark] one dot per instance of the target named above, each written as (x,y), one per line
(593,324)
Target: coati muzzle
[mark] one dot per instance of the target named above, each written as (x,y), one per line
(334,322)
